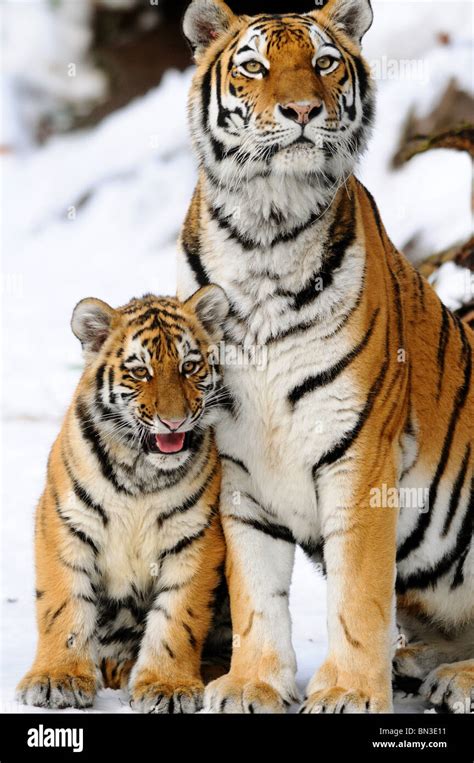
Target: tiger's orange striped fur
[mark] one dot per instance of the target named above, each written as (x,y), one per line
(129,546)
(366,390)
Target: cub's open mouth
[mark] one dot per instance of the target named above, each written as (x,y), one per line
(174,442)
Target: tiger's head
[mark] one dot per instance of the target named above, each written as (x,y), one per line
(279,94)
(151,382)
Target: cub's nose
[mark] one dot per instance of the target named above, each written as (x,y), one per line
(302,112)
(172,424)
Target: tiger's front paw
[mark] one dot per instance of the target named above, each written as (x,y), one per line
(450,687)
(57,690)
(336,690)
(154,694)
(231,694)
(339,700)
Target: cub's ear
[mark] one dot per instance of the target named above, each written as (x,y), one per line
(353,16)
(211,307)
(91,322)
(205,21)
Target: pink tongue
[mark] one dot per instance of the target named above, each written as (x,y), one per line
(170,443)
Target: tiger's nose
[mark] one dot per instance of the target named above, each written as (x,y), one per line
(173,424)
(302,112)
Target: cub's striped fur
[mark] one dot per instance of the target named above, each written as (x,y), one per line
(366,387)
(129,545)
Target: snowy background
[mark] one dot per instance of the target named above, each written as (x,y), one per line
(96,212)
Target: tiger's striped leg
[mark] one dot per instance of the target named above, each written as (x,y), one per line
(166,677)
(259,565)
(359,550)
(64,672)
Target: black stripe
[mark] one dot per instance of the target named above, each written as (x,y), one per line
(82,494)
(456,492)
(81,536)
(54,616)
(191,636)
(442,345)
(122,635)
(351,110)
(194,261)
(189,502)
(72,528)
(248,244)
(421,289)
(424,578)
(87,599)
(171,654)
(330,374)
(361,75)
(300,328)
(465,534)
(235,461)
(375,212)
(112,395)
(90,433)
(184,543)
(277,532)
(324,277)
(398,303)
(206,93)
(416,537)
(170,588)
(345,443)
(157,315)
(73,567)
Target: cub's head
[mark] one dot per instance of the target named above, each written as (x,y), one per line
(151,382)
(279,93)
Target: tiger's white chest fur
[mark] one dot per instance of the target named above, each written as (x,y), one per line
(131,547)
(280,441)
(131,542)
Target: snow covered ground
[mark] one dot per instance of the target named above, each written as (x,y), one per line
(97,213)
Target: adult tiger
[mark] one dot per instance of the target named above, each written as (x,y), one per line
(129,546)
(366,387)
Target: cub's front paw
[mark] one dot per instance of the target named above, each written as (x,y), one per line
(57,690)
(230,694)
(152,694)
(338,700)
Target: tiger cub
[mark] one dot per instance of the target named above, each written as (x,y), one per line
(129,546)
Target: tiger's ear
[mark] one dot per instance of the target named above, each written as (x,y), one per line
(211,307)
(354,17)
(205,21)
(92,322)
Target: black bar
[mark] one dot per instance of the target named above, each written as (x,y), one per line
(319,738)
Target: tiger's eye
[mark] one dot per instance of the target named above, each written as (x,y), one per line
(189,367)
(140,373)
(254,67)
(324,62)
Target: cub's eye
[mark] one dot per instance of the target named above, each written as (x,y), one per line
(140,373)
(254,67)
(325,62)
(190,367)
